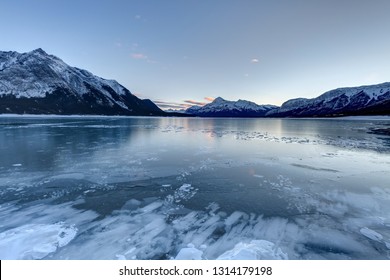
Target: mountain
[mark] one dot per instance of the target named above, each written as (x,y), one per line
(39,83)
(180,111)
(363,100)
(224,108)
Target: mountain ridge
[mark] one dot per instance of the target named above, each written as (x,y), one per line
(38,83)
(220,107)
(365,100)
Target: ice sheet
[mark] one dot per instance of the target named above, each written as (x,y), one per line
(193,189)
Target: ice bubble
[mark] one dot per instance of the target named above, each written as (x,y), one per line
(255,250)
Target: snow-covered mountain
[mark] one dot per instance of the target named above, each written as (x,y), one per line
(180,111)
(224,108)
(363,100)
(39,83)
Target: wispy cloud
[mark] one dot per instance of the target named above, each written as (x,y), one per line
(254,60)
(194,102)
(137,17)
(170,105)
(139,56)
(177,105)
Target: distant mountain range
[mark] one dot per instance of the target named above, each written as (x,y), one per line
(363,100)
(39,83)
(224,108)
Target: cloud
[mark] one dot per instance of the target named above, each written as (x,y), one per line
(189,102)
(171,105)
(176,105)
(139,56)
(254,60)
(142,56)
(211,99)
(193,102)
(137,17)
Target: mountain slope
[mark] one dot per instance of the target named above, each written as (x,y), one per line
(363,100)
(38,83)
(224,108)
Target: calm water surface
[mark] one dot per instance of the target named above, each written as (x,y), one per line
(165,188)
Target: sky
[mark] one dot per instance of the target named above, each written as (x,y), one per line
(184,52)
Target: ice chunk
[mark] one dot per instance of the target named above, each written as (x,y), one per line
(233,218)
(185,192)
(189,253)
(34,241)
(371,234)
(120,257)
(255,250)
(185,188)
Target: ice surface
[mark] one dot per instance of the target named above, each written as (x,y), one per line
(154,231)
(77,176)
(206,189)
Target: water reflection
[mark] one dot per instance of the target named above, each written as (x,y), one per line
(41,144)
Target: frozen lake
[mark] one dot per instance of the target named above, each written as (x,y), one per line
(191,188)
